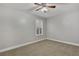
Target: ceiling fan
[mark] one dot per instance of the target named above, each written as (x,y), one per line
(44,6)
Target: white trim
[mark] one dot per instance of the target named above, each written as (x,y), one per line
(70,43)
(14,47)
(27,43)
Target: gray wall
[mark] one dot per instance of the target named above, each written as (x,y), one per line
(64,26)
(16,27)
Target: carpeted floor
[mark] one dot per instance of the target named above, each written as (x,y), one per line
(44,48)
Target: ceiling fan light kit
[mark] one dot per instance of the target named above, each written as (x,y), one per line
(44,10)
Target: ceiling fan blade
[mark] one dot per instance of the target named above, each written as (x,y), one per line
(37,3)
(37,9)
(51,6)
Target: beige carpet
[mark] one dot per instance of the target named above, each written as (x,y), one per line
(44,48)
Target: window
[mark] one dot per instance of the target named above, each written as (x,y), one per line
(39,27)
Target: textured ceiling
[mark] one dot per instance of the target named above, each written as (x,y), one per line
(28,7)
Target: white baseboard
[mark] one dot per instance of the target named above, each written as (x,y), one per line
(27,43)
(70,43)
(14,47)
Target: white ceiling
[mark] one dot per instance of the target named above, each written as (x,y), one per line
(28,7)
